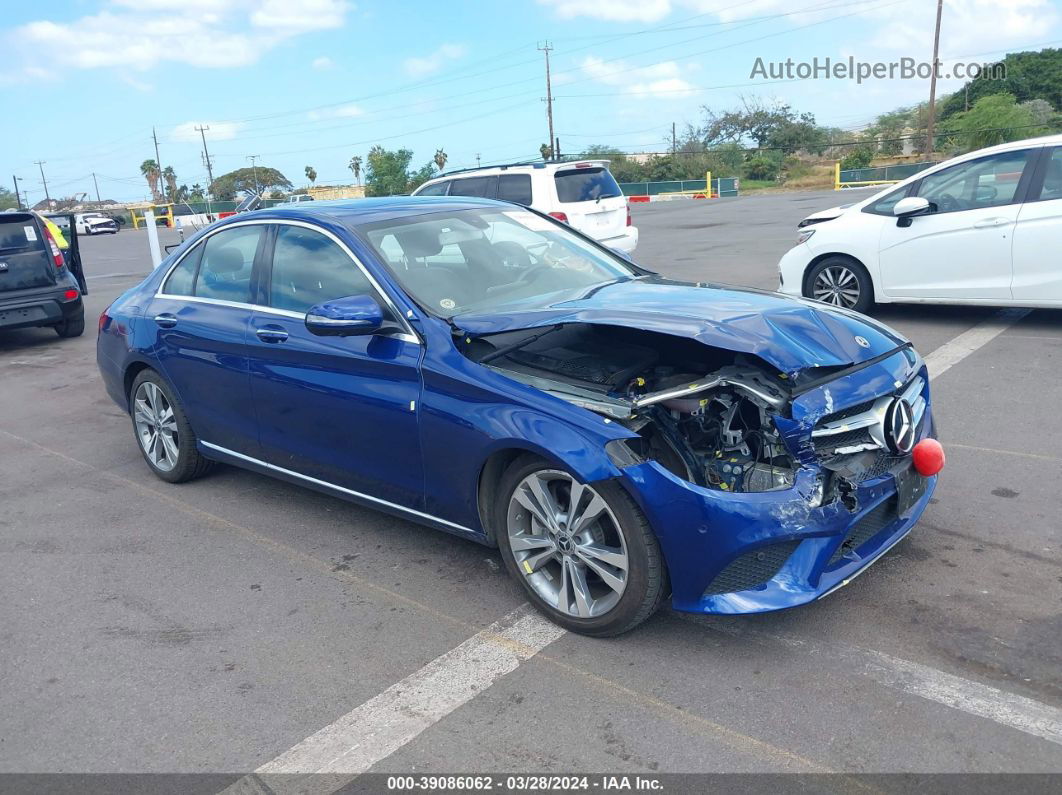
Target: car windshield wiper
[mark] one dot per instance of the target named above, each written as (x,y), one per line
(490,357)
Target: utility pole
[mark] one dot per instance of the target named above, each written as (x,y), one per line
(158,161)
(206,156)
(254,169)
(674,145)
(18,200)
(933,82)
(40,165)
(98,199)
(546,48)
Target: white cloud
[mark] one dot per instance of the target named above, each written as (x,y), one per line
(323,63)
(611,10)
(658,80)
(142,34)
(426,65)
(341,112)
(219,131)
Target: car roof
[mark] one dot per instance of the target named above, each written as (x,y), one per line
(519,168)
(367,211)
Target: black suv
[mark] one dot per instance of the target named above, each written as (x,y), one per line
(40,284)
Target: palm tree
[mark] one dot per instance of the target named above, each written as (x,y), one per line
(311,174)
(169,176)
(547,151)
(440,159)
(355,166)
(150,170)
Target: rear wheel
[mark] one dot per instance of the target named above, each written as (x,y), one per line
(166,440)
(584,553)
(73,326)
(841,281)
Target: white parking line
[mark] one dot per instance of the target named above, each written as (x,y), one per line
(385,723)
(1017,712)
(954,351)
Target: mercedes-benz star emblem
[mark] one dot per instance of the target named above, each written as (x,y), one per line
(862,342)
(899,426)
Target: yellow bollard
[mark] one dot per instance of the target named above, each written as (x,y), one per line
(837,175)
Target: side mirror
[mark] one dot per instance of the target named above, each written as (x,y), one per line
(905,210)
(345,317)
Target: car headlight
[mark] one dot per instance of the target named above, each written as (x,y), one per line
(804,235)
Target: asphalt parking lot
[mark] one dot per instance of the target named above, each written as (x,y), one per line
(213,626)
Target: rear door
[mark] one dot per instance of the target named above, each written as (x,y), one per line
(26,259)
(70,231)
(1037,261)
(480,187)
(591,198)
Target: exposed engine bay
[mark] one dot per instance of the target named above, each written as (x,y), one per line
(705,414)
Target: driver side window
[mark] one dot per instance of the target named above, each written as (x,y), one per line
(986,182)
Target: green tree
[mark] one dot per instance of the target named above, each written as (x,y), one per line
(311,174)
(1029,75)
(387,172)
(995,119)
(355,167)
(227,186)
(7,199)
(546,151)
(150,169)
(169,176)
(769,126)
(858,157)
(440,159)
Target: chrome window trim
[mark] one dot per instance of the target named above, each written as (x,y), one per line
(333,486)
(408,335)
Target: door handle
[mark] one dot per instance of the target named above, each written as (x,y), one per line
(271,335)
(166,320)
(988,223)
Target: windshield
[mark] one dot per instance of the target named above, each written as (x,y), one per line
(476,260)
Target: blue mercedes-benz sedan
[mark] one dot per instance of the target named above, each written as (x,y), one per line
(481,368)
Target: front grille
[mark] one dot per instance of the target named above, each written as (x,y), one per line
(827,444)
(865,529)
(752,569)
(851,411)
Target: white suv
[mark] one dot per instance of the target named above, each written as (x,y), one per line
(583,195)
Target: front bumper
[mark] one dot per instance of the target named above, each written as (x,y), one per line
(791,269)
(627,242)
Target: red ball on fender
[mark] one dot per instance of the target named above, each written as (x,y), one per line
(928,457)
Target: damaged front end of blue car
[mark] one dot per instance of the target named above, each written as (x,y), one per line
(770,447)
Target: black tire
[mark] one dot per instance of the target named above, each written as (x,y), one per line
(73,326)
(647,580)
(833,271)
(190,463)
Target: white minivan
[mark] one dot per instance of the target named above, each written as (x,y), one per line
(583,195)
(982,228)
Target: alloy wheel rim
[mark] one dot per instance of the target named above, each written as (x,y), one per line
(568,543)
(156,426)
(837,285)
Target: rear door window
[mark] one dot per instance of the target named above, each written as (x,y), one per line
(227,262)
(586,185)
(480,187)
(19,233)
(515,188)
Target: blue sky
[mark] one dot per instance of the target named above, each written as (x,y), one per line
(313,82)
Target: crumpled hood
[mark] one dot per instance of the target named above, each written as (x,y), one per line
(791,334)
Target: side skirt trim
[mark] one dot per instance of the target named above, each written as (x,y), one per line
(341,490)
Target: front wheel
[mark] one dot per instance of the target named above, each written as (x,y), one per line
(842,282)
(584,553)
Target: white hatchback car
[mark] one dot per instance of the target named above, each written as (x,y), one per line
(584,195)
(982,228)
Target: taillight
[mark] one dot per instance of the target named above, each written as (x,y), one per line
(562,217)
(70,295)
(629,217)
(57,255)
(104,320)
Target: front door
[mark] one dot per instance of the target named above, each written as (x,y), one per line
(342,410)
(962,250)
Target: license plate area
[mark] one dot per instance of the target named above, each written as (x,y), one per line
(910,488)
(21,315)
